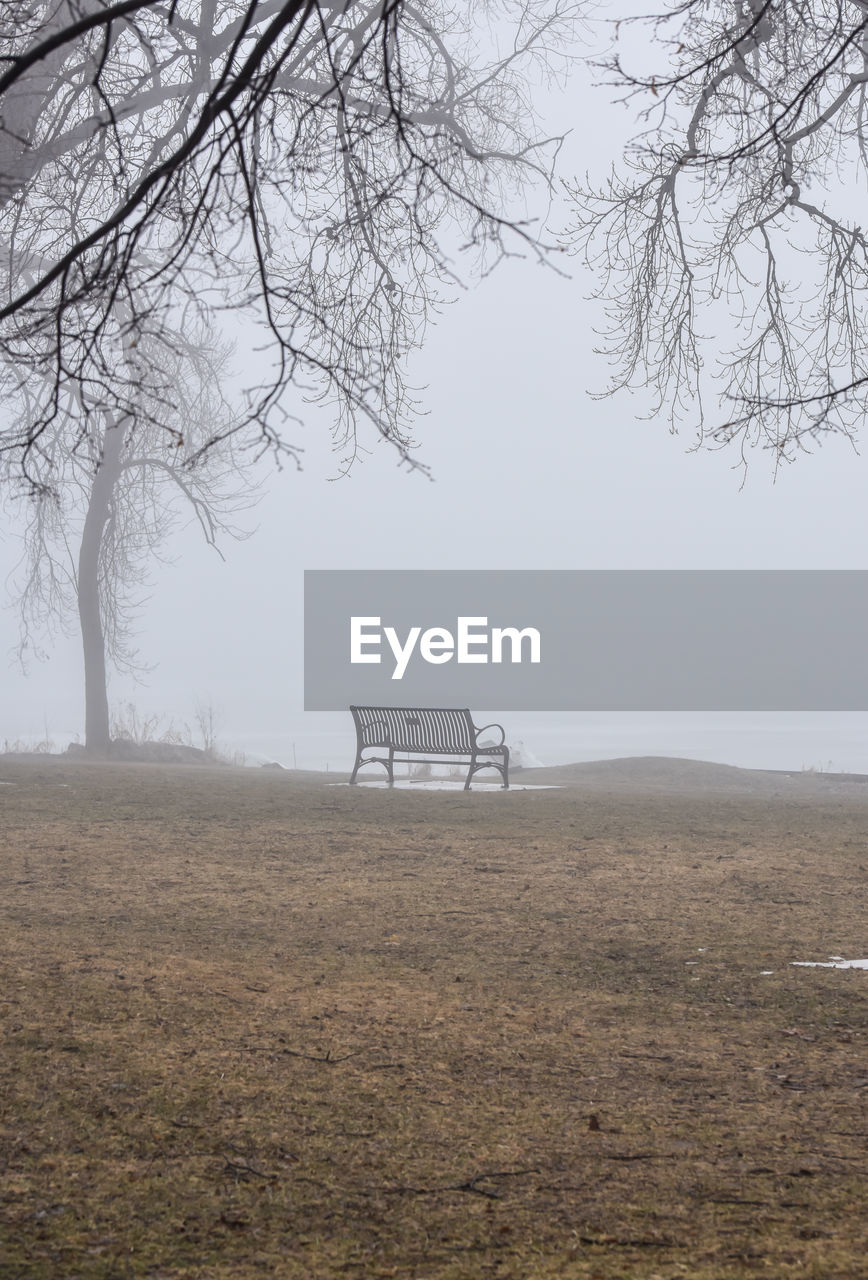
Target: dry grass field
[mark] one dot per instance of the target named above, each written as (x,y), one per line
(253,1024)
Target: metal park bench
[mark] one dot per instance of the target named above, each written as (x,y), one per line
(426,731)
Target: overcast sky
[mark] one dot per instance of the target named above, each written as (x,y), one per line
(529,472)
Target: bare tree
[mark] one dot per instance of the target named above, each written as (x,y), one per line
(296,162)
(104,503)
(729,242)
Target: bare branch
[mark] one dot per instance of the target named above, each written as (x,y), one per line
(729,246)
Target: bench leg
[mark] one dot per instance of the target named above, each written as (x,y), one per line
(502,769)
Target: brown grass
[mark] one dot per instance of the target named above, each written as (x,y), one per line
(257,1025)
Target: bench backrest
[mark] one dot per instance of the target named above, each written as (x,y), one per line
(442,729)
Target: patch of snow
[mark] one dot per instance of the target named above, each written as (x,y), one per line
(834,962)
(446,784)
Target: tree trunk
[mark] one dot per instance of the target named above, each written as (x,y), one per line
(97,736)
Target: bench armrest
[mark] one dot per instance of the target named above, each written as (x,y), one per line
(491,726)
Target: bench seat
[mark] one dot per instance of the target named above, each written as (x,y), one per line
(445,732)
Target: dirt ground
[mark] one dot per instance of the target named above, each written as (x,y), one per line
(256,1024)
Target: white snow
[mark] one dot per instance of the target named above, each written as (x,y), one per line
(444,784)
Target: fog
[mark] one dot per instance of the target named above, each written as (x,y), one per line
(528,471)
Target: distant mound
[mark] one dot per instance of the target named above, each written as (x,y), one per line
(665,773)
(151,752)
